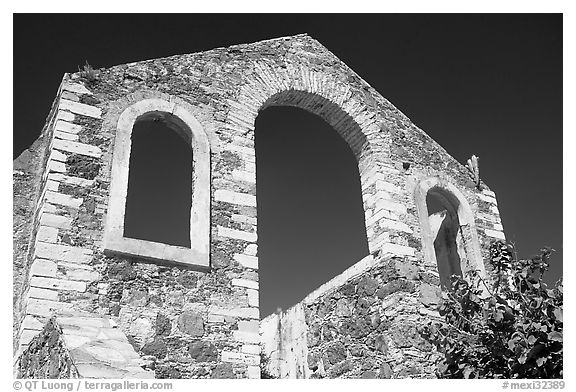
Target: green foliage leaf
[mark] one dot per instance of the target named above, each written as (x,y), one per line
(514,332)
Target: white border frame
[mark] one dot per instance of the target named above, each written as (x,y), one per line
(114,241)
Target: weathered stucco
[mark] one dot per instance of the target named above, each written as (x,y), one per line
(200,319)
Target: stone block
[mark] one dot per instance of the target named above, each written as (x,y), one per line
(77,148)
(84,322)
(495,234)
(399,250)
(248,151)
(246,261)
(215,318)
(27,335)
(56,155)
(63,115)
(223,370)
(370,199)
(203,351)
(390,206)
(47,234)
(74,266)
(251,250)
(367,286)
(385,371)
(250,284)
(157,348)
(235,198)
(52,185)
(41,267)
(343,308)
(39,293)
(394,225)
(250,167)
(247,313)
(429,294)
(251,349)
(76,88)
(379,214)
(253,297)
(45,308)
(241,358)
(387,186)
(81,108)
(67,127)
(375,244)
(246,337)
(249,326)
(69,180)
(69,95)
(63,199)
(75,341)
(57,284)
(489,193)
(191,323)
(488,199)
(99,370)
(56,221)
(253,372)
(240,175)
(63,252)
(407,270)
(65,136)
(49,208)
(55,166)
(32,323)
(83,275)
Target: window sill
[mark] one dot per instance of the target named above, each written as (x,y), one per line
(157,252)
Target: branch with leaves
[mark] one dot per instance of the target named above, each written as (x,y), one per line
(514,332)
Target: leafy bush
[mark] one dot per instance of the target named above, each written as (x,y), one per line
(511,328)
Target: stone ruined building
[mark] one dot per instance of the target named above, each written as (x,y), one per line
(92,302)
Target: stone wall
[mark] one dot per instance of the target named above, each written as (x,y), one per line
(362,324)
(47,356)
(191,322)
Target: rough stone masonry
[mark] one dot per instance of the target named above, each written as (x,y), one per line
(90,302)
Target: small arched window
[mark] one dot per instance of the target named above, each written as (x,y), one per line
(449,237)
(446,234)
(151,215)
(160,171)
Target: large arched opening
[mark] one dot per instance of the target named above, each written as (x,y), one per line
(311,224)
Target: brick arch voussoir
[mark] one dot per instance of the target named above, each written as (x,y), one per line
(313,91)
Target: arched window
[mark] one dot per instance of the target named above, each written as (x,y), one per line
(320,194)
(449,237)
(183,228)
(159,194)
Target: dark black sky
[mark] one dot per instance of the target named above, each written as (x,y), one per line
(489,85)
